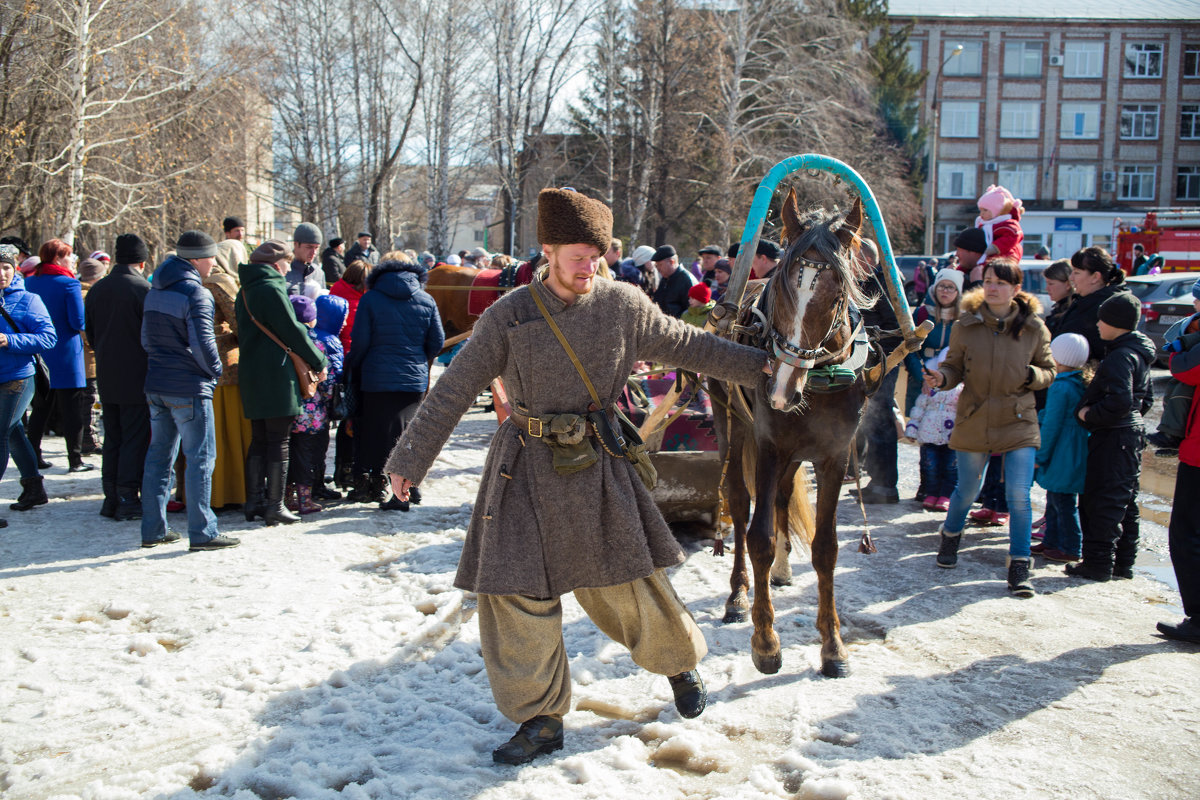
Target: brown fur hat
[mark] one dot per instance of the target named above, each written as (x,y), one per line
(567,217)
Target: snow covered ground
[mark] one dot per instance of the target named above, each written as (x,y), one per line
(335,659)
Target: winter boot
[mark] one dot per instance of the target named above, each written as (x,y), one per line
(542,734)
(255,466)
(1086,569)
(1018,577)
(394,503)
(690,695)
(109,507)
(33,493)
(361,493)
(289,498)
(322,492)
(414,495)
(947,556)
(41,462)
(273,512)
(305,502)
(129,506)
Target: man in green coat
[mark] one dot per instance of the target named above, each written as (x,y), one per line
(559,511)
(267,379)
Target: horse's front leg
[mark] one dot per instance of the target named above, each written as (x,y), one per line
(781,567)
(760,540)
(824,559)
(737,607)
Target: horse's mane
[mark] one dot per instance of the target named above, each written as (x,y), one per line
(820,228)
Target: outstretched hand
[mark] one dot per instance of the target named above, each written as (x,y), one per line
(400,486)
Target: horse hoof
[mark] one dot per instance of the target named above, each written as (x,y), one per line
(777,582)
(835,668)
(767,665)
(734,615)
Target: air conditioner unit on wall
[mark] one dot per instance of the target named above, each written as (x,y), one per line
(1108,176)
(1108,186)
(1056,61)
(990,166)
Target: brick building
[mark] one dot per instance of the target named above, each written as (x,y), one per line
(1088,110)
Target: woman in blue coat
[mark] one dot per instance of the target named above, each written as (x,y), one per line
(25,329)
(397,334)
(60,290)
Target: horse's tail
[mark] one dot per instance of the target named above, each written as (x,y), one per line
(802,519)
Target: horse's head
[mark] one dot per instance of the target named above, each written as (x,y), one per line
(807,296)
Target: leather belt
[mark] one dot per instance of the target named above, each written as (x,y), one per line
(531,425)
(599,426)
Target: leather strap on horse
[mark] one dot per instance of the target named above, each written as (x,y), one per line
(865,545)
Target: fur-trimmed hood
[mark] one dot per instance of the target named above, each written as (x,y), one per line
(972,309)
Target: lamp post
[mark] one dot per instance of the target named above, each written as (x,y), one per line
(931,192)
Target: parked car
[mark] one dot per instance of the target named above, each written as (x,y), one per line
(1033,280)
(1166,298)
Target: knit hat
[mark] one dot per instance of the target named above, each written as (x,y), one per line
(303,307)
(769,249)
(971,239)
(30,264)
(998,200)
(664,252)
(700,292)
(131,249)
(712,248)
(19,243)
(229,223)
(9,254)
(642,254)
(270,251)
(723,265)
(567,217)
(1069,350)
(100,255)
(91,270)
(195,244)
(1196,289)
(307,233)
(336,241)
(1122,310)
(952,275)
(453,260)
(732,252)
(426,257)
(479,252)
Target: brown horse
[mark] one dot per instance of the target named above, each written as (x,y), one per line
(457,302)
(783,422)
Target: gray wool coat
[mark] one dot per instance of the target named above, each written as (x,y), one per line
(535,532)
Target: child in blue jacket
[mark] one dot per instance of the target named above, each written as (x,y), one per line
(1061,461)
(325,317)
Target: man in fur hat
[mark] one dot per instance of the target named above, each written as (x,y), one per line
(539,529)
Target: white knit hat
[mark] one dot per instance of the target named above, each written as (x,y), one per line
(952,275)
(642,254)
(1070,350)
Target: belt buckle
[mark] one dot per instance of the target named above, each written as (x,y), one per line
(529,427)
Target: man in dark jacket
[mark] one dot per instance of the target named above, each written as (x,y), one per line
(1112,409)
(304,277)
(112,313)
(182,368)
(332,263)
(363,249)
(674,284)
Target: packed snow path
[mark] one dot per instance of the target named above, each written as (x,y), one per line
(334,658)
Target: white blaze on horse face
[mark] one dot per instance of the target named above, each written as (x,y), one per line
(789,381)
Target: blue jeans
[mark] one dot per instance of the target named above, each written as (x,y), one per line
(939,472)
(14,399)
(1062,523)
(173,419)
(1018,478)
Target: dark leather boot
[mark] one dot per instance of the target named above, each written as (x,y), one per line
(542,734)
(109,507)
(253,507)
(33,493)
(273,512)
(129,506)
(690,695)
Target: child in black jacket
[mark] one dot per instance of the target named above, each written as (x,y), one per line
(1112,409)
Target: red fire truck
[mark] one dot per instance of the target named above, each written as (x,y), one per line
(1173,233)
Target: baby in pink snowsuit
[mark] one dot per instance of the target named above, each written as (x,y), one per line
(1000,220)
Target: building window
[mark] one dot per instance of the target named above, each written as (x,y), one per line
(1143,60)
(1189,122)
(956,180)
(1019,120)
(968,62)
(1083,59)
(1079,121)
(1191,61)
(945,237)
(1022,59)
(1099,240)
(1137,183)
(1032,242)
(915,57)
(1187,183)
(960,120)
(1077,182)
(1139,122)
(479,235)
(1020,179)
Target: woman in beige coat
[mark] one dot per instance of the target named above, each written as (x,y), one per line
(1000,352)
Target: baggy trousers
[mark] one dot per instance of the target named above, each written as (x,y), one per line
(1108,510)
(526,659)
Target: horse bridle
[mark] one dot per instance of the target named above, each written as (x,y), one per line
(785,351)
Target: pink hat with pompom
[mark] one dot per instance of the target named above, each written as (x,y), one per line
(998,200)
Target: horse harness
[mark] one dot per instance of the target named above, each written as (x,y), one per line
(783,350)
